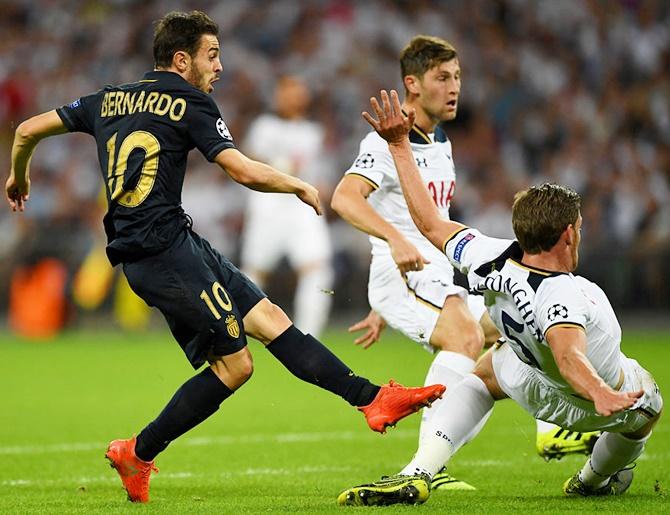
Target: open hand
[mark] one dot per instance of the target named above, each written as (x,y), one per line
(391,123)
(374,325)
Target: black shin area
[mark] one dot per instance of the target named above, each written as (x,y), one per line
(308,359)
(197,399)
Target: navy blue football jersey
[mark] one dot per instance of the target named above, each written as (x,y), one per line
(144,131)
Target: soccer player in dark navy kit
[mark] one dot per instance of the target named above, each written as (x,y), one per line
(144,131)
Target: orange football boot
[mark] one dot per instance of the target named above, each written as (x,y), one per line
(135,473)
(394,402)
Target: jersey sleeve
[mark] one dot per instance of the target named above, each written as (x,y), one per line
(468,249)
(559,302)
(373,164)
(79,115)
(206,127)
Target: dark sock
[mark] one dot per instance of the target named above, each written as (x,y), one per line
(197,399)
(308,359)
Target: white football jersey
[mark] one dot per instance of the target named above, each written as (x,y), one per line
(524,302)
(293,147)
(374,164)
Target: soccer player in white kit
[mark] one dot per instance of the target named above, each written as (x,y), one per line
(274,226)
(411,282)
(561,361)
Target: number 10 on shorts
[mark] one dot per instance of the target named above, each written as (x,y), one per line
(221,297)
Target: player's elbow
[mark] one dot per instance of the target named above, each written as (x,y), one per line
(431,230)
(25,132)
(338,203)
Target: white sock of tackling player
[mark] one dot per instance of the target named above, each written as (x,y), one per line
(461,412)
(612,452)
(313,298)
(448,368)
(545,427)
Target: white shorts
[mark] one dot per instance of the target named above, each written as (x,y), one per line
(413,306)
(521,383)
(279,226)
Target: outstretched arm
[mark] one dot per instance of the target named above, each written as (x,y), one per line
(262,177)
(568,345)
(392,125)
(350,201)
(28,135)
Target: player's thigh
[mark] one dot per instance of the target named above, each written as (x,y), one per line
(309,242)
(484,370)
(456,329)
(202,299)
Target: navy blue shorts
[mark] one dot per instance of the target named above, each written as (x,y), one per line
(201,294)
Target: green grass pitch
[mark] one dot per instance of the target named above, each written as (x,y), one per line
(277,446)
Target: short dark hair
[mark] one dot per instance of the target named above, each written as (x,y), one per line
(423,53)
(540,215)
(180,31)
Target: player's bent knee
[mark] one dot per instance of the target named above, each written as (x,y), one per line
(645,430)
(265,321)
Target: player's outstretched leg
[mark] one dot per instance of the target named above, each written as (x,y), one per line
(554,442)
(135,474)
(389,490)
(394,402)
(308,359)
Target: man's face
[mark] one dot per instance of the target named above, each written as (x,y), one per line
(577,228)
(205,64)
(439,89)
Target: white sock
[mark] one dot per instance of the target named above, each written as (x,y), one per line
(545,427)
(457,416)
(612,452)
(312,303)
(448,368)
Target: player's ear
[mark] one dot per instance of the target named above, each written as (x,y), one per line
(569,235)
(411,83)
(181,60)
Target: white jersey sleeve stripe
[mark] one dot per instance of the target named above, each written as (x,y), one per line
(364,179)
(564,324)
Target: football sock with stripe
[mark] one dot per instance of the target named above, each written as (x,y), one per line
(461,413)
(448,368)
(612,452)
(308,359)
(196,400)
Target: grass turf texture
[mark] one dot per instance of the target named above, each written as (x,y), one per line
(278,445)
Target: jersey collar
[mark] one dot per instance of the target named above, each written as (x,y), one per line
(164,76)
(420,137)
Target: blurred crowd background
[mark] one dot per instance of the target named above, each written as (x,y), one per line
(572,91)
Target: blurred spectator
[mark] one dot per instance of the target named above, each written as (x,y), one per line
(574,91)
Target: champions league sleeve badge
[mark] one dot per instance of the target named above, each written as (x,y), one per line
(557,311)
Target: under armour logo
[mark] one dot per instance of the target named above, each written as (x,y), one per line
(556,311)
(364,161)
(421,162)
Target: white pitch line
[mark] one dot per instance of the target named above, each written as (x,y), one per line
(217,440)
(111,478)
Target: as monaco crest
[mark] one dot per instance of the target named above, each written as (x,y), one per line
(232,326)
